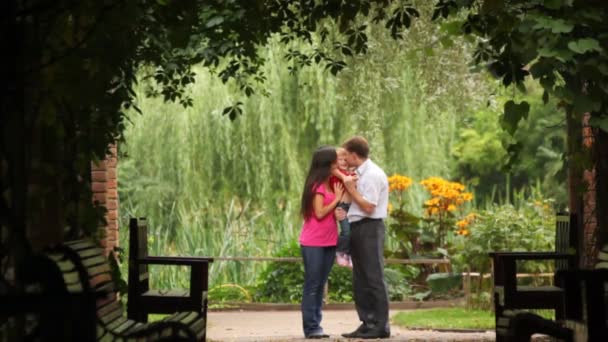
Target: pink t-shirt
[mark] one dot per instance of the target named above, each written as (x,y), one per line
(320,232)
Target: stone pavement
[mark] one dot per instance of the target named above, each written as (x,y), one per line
(250,326)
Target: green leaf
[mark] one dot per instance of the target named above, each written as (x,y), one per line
(453,27)
(584,45)
(561,55)
(555,25)
(513,113)
(215,21)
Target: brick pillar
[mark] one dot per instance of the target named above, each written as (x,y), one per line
(590,223)
(104,186)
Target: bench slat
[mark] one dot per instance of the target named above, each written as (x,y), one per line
(93,261)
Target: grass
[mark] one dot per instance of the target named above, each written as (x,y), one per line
(445,318)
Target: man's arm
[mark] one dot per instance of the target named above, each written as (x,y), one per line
(351,187)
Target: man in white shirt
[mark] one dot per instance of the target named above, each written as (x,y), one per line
(366,215)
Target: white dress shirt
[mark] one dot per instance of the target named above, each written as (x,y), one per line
(373,186)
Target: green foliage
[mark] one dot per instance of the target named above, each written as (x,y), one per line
(558,43)
(282,282)
(479,151)
(530,227)
(404,229)
(340,284)
(484,152)
(441,283)
(398,284)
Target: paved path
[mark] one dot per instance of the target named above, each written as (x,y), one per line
(250,326)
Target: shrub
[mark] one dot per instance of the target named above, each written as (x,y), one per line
(230,293)
(531,227)
(282,282)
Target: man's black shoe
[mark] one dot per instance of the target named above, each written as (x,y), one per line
(373,333)
(361,329)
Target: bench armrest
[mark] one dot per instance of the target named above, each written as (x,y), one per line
(531,255)
(504,268)
(199,274)
(180,261)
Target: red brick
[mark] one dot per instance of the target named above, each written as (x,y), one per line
(99,176)
(111,173)
(112,194)
(98,187)
(112,215)
(112,225)
(111,184)
(112,204)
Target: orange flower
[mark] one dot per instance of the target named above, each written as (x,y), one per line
(398,182)
(446,196)
(464,223)
(463,232)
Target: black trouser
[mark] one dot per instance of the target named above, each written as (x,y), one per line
(369,288)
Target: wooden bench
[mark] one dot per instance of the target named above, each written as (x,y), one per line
(142,299)
(72,298)
(93,272)
(585,310)
(508,295)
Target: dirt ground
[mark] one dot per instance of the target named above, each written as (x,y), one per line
(250,326)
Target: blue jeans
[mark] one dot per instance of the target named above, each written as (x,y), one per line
(317,265)
(344,237)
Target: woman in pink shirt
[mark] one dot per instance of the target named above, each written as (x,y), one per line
(319,236)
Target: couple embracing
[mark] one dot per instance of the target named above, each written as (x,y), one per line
(359,200)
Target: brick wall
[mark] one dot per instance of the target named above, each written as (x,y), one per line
(105,191)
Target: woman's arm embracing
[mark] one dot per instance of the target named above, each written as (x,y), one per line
(321,210)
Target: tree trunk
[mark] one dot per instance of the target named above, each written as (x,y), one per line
(601,186)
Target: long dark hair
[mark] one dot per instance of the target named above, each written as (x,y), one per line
(320,170)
